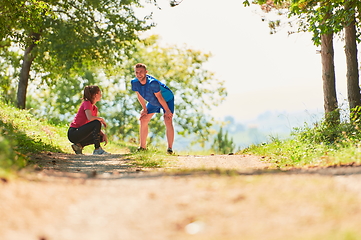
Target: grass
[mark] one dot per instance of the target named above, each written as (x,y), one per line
(29,134)
(319,145)
(151,158)
(22,134)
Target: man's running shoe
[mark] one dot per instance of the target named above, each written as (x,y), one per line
(170,151)
(141,149)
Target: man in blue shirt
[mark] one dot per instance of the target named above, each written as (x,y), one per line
(158,96)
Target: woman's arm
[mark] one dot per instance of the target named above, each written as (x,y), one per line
(104,137)
(90,117)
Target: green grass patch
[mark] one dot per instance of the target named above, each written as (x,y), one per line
(112,147)
(28,134)
(22,134)
(320,145)
(150,158)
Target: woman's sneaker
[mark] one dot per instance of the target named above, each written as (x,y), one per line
(99,151)
(77,149)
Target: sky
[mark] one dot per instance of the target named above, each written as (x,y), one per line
(262,72)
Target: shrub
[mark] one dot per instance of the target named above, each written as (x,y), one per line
(9,159)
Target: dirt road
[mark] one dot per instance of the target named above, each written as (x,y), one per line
(194,197)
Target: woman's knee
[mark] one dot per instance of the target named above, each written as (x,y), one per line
(97,123)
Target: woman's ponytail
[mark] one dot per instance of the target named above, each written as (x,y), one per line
(89,93)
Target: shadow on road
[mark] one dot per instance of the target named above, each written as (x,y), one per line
(120,166)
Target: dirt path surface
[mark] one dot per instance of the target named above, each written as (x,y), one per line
(194,197)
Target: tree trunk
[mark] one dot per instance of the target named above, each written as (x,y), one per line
(25,72)
(332,114)
(353,88)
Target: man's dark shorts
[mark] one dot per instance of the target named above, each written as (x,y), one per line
(155,109)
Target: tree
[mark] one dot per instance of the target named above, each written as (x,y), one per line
(195,88)
(19,22)
(20,14)
(222,144)
(334,17)
(8,65)
(318,19)
(62,35)
(332,115)
(181,68)
(324,19)
(353,87)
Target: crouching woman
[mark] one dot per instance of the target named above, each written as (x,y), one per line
(85,129)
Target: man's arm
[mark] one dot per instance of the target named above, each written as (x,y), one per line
(164,104)
(142,102)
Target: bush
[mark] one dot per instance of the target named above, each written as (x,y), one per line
(9,159)
(321,145)
(327,134)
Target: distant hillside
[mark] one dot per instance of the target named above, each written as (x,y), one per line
(266,126)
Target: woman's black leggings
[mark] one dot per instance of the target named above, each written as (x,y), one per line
(86,134)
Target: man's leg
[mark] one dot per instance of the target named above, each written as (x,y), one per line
(169,126)
(144,120)
(169,131)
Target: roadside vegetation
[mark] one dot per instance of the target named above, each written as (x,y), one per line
(321,144)
(22,134)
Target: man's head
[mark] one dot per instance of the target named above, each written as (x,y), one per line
(140,70)
(140,65)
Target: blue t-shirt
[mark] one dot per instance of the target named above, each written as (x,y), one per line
(152,86)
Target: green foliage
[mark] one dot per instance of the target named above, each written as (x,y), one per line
(355,115)
(88,31)
(288,153)
(323,144)
(331,133)
(26,134)
(20,17)
(151,158)
(318,17)
(222,144)
(9,65)
(21,134)
(195,90)
(93,42)
(9,159)
(321,18)
(68,36)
